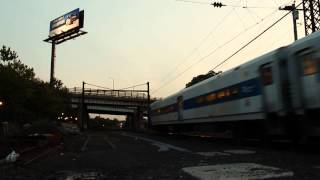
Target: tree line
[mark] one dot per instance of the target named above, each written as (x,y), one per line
(27,98)
(202,77)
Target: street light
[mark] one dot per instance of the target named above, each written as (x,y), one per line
(112,82)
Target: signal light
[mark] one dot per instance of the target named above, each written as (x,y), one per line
(217,4)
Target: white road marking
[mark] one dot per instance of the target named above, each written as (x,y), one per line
(237,171)
(239,151)
(84,146)
(110,143)
(213,154)
(162,146)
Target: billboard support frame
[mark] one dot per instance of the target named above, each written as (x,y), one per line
(53,57)
(58,40)
(65,36)
(62,37)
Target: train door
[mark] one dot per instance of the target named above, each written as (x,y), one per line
(269,88)
(180,108)
(285,87)
(308,63)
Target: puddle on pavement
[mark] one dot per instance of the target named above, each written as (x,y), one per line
(239,151)
(246,171)
(212,154)
(69,175)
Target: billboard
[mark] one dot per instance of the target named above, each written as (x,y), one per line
(67,22)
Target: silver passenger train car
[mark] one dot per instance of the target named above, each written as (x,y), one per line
(274,94)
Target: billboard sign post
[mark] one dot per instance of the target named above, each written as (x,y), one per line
(64,28)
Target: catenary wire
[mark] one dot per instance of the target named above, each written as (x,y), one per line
(213,51)
(247,44)
(97,86)
(234,6)
(194,2)
(133,86)
(201,59)
(198,46)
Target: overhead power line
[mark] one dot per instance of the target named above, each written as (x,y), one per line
(212,52)
(220,4)
(194,2)
(194,50)
(255,38)
(97,86)
(113,89)
(134,86)
(252,7)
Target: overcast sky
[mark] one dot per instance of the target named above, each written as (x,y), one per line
(135,41)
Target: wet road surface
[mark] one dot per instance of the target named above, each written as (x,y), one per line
(127,155)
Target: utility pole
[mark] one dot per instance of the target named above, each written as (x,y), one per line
(295,17)
(311,9)
(82,107)
(112,82)
(149,120)
(53,57)
(113,91)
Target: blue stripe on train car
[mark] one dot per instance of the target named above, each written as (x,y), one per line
(245,89)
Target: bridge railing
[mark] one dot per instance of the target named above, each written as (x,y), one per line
(133,94)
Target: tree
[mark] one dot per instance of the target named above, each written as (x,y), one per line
(202,77)
(10,62)
(28,98)
(6,54)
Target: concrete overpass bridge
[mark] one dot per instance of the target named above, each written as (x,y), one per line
(132,103)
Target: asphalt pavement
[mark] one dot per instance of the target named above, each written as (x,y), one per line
(129,156)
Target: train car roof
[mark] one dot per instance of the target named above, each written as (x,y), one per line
(304,40)
(257,59)
(246,64)
(252,61)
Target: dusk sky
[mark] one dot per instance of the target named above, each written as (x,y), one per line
(135,41)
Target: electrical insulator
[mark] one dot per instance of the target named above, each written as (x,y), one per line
(217,4)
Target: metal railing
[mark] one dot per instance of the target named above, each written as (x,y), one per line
(128,94)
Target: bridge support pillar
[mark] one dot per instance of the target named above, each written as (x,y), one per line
(138,121)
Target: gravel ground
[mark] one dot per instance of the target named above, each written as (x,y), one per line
(127,155)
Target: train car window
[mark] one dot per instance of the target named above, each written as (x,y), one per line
(266,73)
(200,100)
(180,108)
(221,94)
(309,66)
(227,92)
(164,110)
(211,97)
(234,91)
(180,102)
